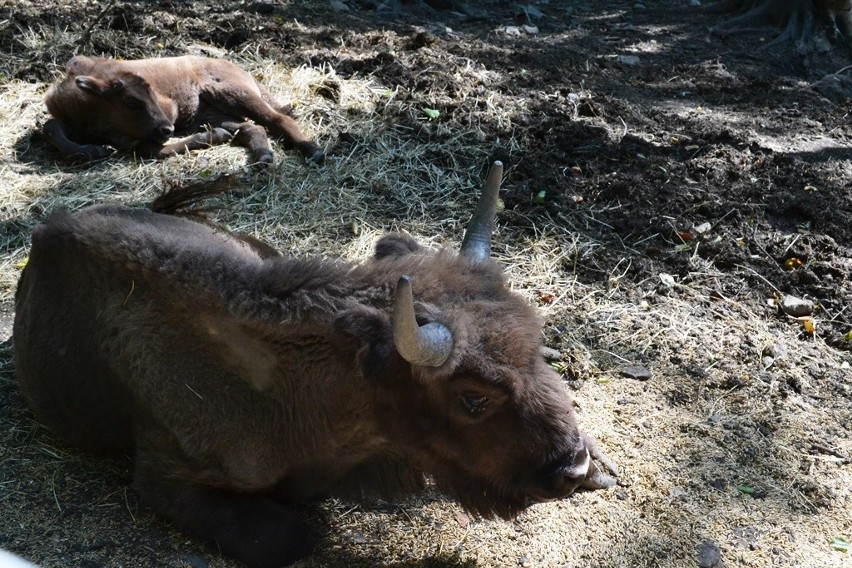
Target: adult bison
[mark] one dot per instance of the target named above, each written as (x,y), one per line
(244,381)
(137,106)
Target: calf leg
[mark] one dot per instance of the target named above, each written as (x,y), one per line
(197,141)
(258,531)
(260,108)
(54,130)
(251,136)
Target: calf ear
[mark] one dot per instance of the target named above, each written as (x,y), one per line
(90,84)
(79,64)
(396,244)
(365,334)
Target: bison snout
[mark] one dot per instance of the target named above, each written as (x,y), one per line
(567,474)
(570,473)
(164,131)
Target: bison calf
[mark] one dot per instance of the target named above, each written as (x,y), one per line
(243,381)
(137,106)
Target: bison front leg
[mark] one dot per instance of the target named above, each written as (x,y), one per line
(54,130)
(253,529)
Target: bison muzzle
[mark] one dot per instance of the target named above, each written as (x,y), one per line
(138,105)
(243,381)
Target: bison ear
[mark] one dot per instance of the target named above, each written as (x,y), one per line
(396,244)
(365,333)
(79,64)
(90,84)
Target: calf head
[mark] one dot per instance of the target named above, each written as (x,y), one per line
(119,104)
(461,386)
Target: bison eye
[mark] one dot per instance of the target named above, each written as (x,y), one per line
(474,404)
(133,104)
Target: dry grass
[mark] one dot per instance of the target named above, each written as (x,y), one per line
(684,445)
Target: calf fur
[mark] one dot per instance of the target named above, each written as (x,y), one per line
(139,105)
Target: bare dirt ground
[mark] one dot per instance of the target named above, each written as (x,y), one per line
(665,191)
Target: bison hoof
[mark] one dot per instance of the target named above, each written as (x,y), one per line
(317,158)
(263,158)
(312,153)
(220,136)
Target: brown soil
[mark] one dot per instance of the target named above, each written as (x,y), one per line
(672,186)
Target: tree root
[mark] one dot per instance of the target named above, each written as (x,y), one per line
(811,25)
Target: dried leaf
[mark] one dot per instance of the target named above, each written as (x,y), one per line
(21,264)
(685,236)
(792,263)
(808,325)
(546,297)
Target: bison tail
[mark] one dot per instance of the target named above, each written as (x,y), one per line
(184,199)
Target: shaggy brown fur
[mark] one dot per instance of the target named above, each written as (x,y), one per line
(243,382)
(136,106)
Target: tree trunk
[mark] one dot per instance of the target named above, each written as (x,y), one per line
(807,23)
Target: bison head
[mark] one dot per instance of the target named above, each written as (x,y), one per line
(119,104)
(461,386)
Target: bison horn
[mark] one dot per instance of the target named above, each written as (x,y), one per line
(476,244)
(427,345)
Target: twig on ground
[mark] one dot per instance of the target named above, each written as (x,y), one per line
(84,39)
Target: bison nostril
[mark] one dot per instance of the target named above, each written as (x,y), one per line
(565,475)
(167,130)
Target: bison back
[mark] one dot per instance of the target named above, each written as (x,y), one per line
(64,377)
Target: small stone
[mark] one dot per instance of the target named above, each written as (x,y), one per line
(551,354)
(703,228)
(796,307)
(678,493)
(637,372)
(194,560)
(837,88)
(708,554)
(639,7)
(461,518)
(629,60)
(767,361)
(339,6)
